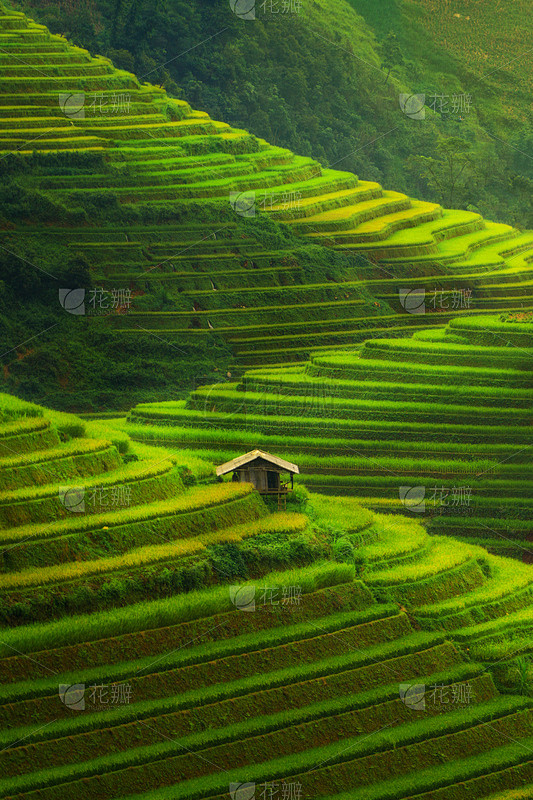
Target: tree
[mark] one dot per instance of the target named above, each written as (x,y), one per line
(391,54)
(449,170)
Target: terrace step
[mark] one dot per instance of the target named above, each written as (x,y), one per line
(300,383)
(322,653)
(118,531)
(462,778)
(26,436)
(346,365)
(62,578)
(81,458)
(423,743)
(42,503)
(453,248)
(210,627)
(227,399)
(366,710)
(451,730)
(380,228)
(508,589)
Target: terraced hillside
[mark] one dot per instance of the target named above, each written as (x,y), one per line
(370,673)
(107,147)
(436,425)
(88,520)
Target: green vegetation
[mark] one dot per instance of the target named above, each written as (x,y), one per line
(163,632)
(185,284)
(346,605)
(326,77)
(448,413)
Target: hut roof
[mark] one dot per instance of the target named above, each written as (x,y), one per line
(240,461)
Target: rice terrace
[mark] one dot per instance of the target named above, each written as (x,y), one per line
(266,331)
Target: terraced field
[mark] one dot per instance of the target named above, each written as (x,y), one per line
(128,669)
(103,138)
(164,634)
(437,425)
(86,519)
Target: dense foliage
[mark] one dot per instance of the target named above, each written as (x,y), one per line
(317,81)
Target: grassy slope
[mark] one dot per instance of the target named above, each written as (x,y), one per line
(303,690)
(166,161)
(448,412)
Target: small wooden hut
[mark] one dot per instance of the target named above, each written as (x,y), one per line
(264,472)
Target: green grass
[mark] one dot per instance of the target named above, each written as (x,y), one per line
(495,710)
(346,366)
(321,641)
(159,613)
(151,554)
(347,750)
(79,459)
(237,694)
(197,498)
(403,420)
(364,708)
(147,480)
(509,581)
(458,778)
(216,446)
